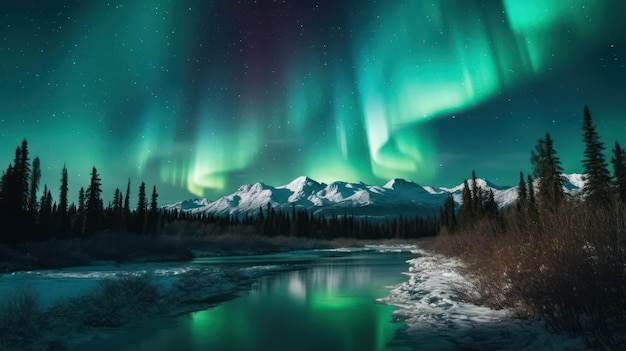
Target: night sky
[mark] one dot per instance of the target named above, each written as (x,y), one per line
(200,97)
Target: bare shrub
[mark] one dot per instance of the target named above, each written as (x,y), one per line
(566,268)
(21,318)
(119,300)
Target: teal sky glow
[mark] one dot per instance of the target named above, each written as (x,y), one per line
(199,97)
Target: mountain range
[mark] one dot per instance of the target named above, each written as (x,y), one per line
(397,197)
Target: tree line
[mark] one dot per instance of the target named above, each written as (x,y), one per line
(28,217)
(37,218)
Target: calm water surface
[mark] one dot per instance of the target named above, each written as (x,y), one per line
(329,304)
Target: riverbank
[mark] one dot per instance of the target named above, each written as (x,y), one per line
(40,314)
(74,306)
(122,248)
(436,301)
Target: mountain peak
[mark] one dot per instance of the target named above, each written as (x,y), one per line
(398,183)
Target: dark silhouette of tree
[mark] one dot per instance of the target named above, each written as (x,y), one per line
(522,194)
(142,210)
(22,171)
(448,214)
(64,219)
(94,208)
(548,169)
(35,176)
(490,206)
(45,215)
(597,188)
(532,203)
(477,195)
(466,213)
(128,218)
(619,171)
(117,211)
(153,215)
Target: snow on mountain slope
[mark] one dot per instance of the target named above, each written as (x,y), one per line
(396,197)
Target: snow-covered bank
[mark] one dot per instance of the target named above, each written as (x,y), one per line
(427,303)
(70,307)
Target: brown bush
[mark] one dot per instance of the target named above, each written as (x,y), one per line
(566,268)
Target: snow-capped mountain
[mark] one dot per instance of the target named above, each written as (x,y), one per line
(397,197)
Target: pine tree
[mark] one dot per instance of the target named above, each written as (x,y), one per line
(35,176)
(79,225)
(45,214)
(522,194)
(128,219)
(142,210)
(153,215)
(477,195)
(548,169)
(490,206)
(597,178)
(532,203)
(64,220)
(22,167)
(619,171)
(448,215)
(94,209)
(118,210)
(466,212)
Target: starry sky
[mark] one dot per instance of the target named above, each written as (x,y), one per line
(199,97)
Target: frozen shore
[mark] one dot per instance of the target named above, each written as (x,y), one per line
(429,306)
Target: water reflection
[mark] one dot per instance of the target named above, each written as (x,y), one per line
(328,306)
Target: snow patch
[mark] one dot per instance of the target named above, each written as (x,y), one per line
(429,307)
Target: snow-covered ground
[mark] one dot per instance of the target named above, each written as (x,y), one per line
(427,304)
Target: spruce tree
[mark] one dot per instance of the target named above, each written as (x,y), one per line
(548,169)
(35,176)
(94,209)
(522,194)
(597,178)
(142,210)
(466,215)
(619,171)
(22,167)
(448,215)
(64,220)
(79,225)
(153,215)
(477,195)
(128,217)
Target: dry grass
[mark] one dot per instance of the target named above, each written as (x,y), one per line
(567,268)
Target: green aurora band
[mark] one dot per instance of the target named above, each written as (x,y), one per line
(175,95)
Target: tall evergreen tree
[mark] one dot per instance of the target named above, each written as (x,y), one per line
(153,214)
(22,167)
(619,171)
(491,206)
(79,225)
(45,214)
(548,169)
(128,219)
(522,194)
(142,210)
(94,209)
(597,188)
(477,196)
(35,176)
(64,219)
(466,215)
(448,214)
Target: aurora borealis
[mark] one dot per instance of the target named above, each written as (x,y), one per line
(199,97)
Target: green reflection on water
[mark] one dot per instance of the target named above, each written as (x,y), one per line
(326,307)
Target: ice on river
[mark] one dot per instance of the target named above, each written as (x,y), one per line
(427,304)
